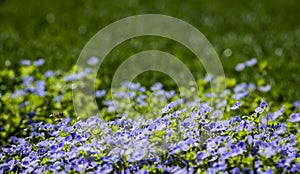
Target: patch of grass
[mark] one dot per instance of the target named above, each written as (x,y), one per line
(57,31)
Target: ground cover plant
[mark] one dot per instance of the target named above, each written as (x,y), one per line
(164,129)
(177,136)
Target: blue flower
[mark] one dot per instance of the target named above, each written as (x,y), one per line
(295,118)
(266,88)
(68,138)
(100,93)
(258,110)
(53,148)
(26,81)
(276,114)
(18,93)
(105,168)
(208,77)
(201,156)
(156,87)
(251,62)
(295,168)
(241,145)
(296,104)
(170,94)
(263,105)
(2,128)
(270,171)
(25,62)
(49,73)
(236,105)
(30,114)
(240,67)
(93,61)
(39,62)
(236,170)
(251,86)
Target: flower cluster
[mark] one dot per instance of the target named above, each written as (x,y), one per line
(248,63)
(194,144)
(159,131)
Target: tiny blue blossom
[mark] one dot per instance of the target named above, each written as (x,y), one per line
(266,88)
(100,93)
(236,105)
(25,62)
(38,62)
(93,61)
(240,67)
(295,118)
(251,62)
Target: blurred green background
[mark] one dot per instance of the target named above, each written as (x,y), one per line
(58,30)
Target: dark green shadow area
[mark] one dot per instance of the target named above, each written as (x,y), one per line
(57,31)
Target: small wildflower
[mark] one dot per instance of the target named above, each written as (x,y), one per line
(236,105)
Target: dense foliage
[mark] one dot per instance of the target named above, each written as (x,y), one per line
(161,131)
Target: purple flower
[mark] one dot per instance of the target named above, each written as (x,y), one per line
(201,156)
(277,114)
(295,118)
(264,88)
(138,154)
(235,119)
(240,67)
(236,105)
(263,105)
(105,168)
(14,140)
(156,87)
(41,151)
(39,62)
(241,145)
(80,164)
(183,146)
(269,151)
(296,104)
(30,114)
(251,86)
(170,94)
(85,136)
(258,110)
(251,62)
(240,95)
(18,93)
(68,138)
(53,148)
(109,103)
(208,77)
(93,61)
(49,73)
(220,165)
(236,171)
(270,171)
(295,168)
(26,81)
(54,133)
(217,114)
(100,93)
(40,88)
(25,62)
(112,108)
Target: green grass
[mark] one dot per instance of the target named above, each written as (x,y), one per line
(57,31)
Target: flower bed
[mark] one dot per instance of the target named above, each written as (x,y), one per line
(161,131)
